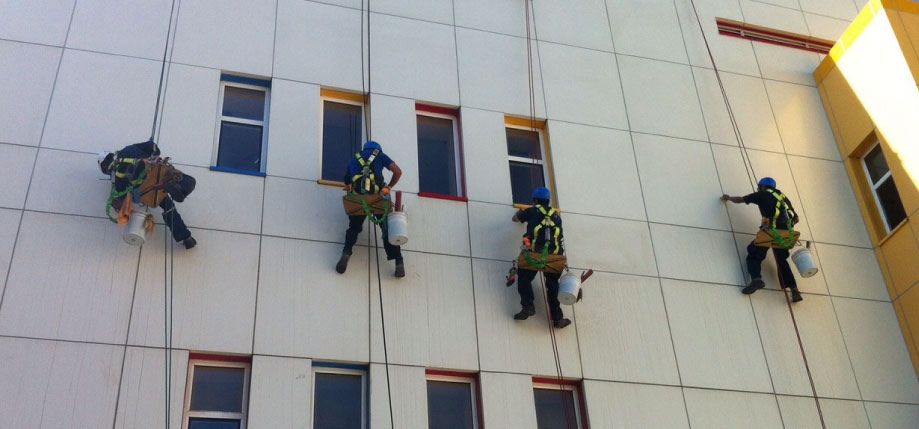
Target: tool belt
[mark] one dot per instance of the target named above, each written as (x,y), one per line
(163,179)
(553,264)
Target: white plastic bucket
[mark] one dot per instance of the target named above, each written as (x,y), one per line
(397,222)
(134,231)
(568,288)
(804,263)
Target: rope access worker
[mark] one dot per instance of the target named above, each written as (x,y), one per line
(365,176)
(779,214)
(544,229)
(126,167)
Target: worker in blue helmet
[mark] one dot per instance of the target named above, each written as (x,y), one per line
(544,228)
(364,175)
(778,213)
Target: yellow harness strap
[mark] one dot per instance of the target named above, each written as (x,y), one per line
(546,222)
(780,204)
(367,176)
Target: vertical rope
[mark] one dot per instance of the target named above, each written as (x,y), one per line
(159,90)
(558,361)
(365,91)
(376,254)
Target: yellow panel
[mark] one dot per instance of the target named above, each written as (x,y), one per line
(908,312)
(909,195)
(524,122)
(910,6)
(831,117)
(823,68)
(887,280)
(350,96)
(854,123)
(865,200)
(901,253)
(855,28)
(880,4)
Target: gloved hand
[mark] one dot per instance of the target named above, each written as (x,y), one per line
(385,190)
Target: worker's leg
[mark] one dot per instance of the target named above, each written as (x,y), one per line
(355,226)
(525,289)
(555,308)
(392,252)
(173,220)
(755,256)
(786,274)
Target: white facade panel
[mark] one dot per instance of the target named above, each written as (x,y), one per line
(661,98)
(492,232)
(307,210)
(731,54)
(27,75)
(626,405)
(867,282)
(649,31)
(281,392)
(136,29)
(293,134)
(488,176)
(496,17)
(142,402)
(725,409)
(826,192)
(696,254)
(621,246)
(884,416)
(840,9)
(802,123)
(787,17)
(752,111)
(825,27)
(9,224)
(409,397)
(799,412)
(18,161)
(583,24)
(780,63)
(714,109)
(427,221)
(395,127)
(440,11)
(43,22)
(236,197)
(190,114)
(508,400)
(844,414)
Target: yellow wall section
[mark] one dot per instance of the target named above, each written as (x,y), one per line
(902,253)
(907,308)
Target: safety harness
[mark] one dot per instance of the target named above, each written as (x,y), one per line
(781,206)
(123,168)
(551,232)
(366,179)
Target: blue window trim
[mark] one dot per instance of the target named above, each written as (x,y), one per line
(237,171)
(246,80)
(355,366)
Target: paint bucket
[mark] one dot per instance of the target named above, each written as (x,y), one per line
(568,288)
(804,263)
(134,231)
(397,222)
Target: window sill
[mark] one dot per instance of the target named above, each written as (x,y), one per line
(443,196)
(237,171)
(331,183)
(526,206)
(893,231)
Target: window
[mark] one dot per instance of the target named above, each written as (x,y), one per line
(773,36)
(342,131)
(440,170)
(557,406)
(217,391)
(452,400)
(242,129)
(883,187)
(526,150)
(339,396)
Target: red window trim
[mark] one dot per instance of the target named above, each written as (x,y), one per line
(478,388)
(449,111)
(579,384)
(442,196)
(742,30)
(220,358)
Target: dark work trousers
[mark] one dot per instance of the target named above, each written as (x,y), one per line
(172,219)
(356,225)
(756,255)
(525,289)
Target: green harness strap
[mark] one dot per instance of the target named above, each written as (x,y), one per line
(541,263)
(371,216)
(776,236)
(115,194)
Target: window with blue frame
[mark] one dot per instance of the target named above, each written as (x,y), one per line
(339,396)
(242,126)
(216,394)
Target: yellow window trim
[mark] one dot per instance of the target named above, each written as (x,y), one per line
(350,96)
(894,231)
(331,183)
(526,206)
(524,122)
(540,125)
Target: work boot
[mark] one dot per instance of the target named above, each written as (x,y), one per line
(527,311)
(190,242)
(796,295)
(342,264)
(561,323)
(400,268)
(755,285)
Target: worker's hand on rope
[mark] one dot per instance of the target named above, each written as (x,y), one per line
(349,187)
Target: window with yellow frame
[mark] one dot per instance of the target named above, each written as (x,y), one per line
(528,159)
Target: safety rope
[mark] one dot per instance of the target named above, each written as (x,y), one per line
(558,361)
(365,92)
(376,253)
(159,91)
(747,162)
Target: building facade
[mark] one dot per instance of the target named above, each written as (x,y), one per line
(263,100)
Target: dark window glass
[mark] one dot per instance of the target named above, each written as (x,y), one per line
(523,143)
(877,165)
(450,405)
(436,156)
(240,146)
(217,389)
(890,202)
(337,401)
(244,103)
(555,409)
(199,423)
(524,179)
(341,138)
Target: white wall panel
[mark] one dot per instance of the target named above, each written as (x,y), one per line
(83,290)
(825,27)
(731,54)
(841,9)
(867,327)
(413,59)
(827,194)
(430,313)
(651,30)
(410,397)
(27,75)
(696,254)
(190,114)
(51,384)
(141,403)
(16,162)
(293,130)
(9,226)
(883,416)
(865,282)
(85,191)
(582,86)
(781,16)
(436,225)
(318,43)
(752,111)
(844,414)
(488,176)
(517,346)
(788,65)
(717,121)
(621,405)
(305,307)
(802,121)
(492,232)
(488,15)
(679,180)
(720,409)
(507,401)
(101,102)
(43,22)
(661,98)
(715,337)
(280,395)
(582,23)
(621,246)
(588,159)
(394,126)
(224,201)
(823,344)
(202,37)
(117,27)
(427,10)
(302,209)
(213,293)
(623,331)
(799,412)
(493,72)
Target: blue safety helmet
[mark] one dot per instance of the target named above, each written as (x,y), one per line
(372,145)
(767,181)
(542,193)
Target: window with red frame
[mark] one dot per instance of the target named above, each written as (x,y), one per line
(440,157)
